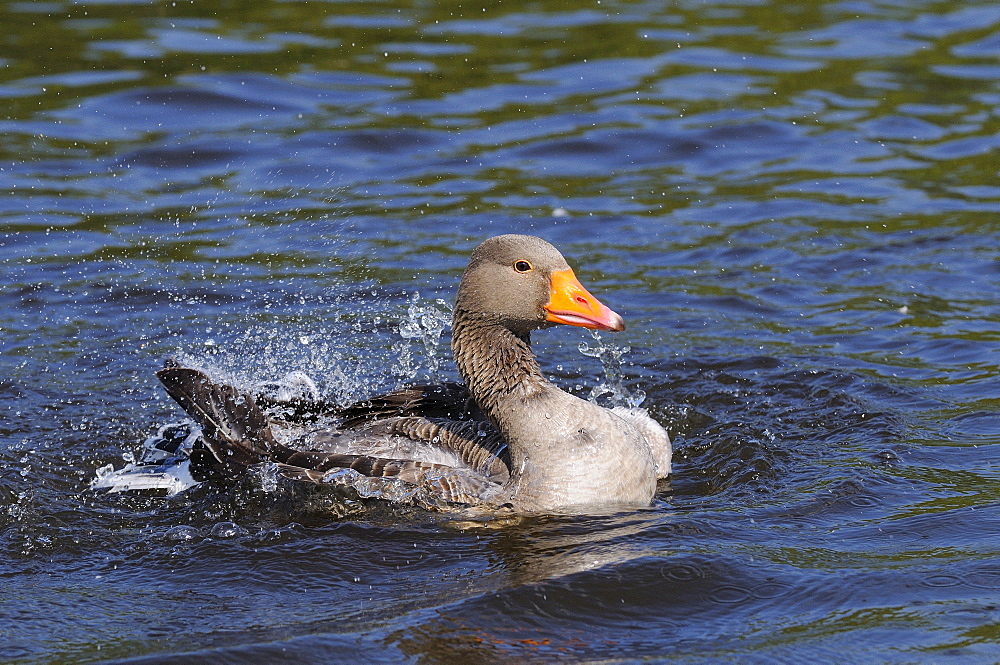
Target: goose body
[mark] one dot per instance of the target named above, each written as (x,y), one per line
(508,436)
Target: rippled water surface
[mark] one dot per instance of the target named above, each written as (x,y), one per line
(795,205)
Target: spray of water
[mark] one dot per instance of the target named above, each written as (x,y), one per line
(611,387)
(424,323)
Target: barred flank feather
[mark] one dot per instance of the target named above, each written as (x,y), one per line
(236,434)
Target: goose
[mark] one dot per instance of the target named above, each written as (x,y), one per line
(505,437)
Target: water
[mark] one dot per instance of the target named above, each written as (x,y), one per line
(794,205)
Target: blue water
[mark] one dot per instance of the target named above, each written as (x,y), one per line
(794,206)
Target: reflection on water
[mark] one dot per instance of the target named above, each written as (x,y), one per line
(793,204)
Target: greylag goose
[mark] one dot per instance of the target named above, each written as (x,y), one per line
(507,437)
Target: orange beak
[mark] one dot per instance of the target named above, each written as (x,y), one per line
(573,305)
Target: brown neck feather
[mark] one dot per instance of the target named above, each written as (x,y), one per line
(496,364)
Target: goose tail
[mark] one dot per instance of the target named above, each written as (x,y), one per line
(235,431)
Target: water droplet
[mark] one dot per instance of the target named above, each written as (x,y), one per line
(227,530)
(181,533)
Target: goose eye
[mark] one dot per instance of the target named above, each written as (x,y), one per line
(522,266)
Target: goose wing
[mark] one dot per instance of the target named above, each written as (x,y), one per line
(237,434)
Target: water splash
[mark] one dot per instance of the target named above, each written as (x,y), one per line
(163,463)
(611,387)
(425,321)
(162,466)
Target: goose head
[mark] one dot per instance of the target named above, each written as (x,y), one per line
(523,283)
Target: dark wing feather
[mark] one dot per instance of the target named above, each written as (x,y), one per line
(432,400)
(222,411)
(237,434)
(440,400)
(297,409)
